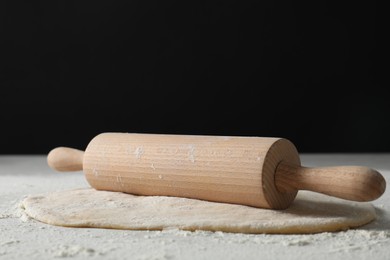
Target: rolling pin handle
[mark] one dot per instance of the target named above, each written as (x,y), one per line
(355,183)
(65,159)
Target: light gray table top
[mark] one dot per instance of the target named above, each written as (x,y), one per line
(24,238)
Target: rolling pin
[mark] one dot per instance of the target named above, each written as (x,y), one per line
(254,171)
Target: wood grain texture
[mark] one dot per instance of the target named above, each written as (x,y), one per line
(355,183)
(236,170)
(254,171)
(65,159)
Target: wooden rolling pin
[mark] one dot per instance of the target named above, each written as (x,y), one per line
(254,171)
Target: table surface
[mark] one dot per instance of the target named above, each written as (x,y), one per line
(24,238)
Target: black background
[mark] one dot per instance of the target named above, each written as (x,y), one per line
(306,71)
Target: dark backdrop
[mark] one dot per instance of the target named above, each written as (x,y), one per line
(307,71)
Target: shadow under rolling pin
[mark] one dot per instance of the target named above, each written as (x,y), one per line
(254,171)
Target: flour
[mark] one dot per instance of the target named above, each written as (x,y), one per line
(191,153)
(19,212)
(22,175)
(72,251)
(139,151)
(10,242)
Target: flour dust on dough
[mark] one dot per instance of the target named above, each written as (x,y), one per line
(310,213)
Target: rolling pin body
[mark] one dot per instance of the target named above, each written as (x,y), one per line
(225,169)
(254,171)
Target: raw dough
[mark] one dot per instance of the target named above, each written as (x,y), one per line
(310,213)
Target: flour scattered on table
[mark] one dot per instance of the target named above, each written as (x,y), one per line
(73,250)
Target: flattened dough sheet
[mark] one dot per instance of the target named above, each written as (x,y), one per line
(310,213)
